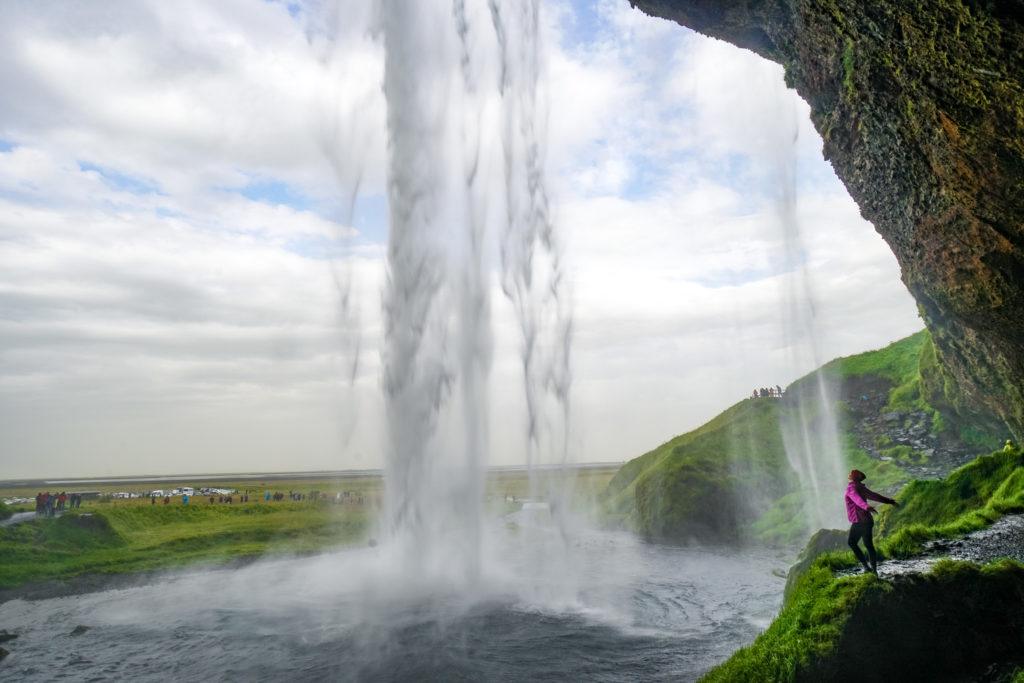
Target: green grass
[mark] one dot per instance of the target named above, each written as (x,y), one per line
(897,362)
(805,631)
(730,479)
(109,536)
(138,538)
(812,636)
(970,498)
(5,511)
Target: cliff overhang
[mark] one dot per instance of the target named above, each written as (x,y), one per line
(921,109)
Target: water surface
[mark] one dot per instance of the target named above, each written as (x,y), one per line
(610,609)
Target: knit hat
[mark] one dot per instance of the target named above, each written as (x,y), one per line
(857,475)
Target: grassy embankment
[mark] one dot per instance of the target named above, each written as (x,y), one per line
(730,480)
(111,540)
(946,623)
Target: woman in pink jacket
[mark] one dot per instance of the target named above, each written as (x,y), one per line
(861,524)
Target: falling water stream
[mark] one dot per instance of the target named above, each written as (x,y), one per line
(810,427)
(465,160)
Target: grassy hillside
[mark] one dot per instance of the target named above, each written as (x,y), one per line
(956,622)
(730,480)
(705,484)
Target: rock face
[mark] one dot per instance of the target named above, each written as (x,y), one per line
(921,108)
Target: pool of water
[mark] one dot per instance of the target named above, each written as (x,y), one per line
(611,609)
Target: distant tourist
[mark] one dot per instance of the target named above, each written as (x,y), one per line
(778,391)
(152,500)
(1008,448)
(167,500)
(184,499)
(861,523)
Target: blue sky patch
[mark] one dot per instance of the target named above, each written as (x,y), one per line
(276,192)
(6,145)
(121,181)
(370,217)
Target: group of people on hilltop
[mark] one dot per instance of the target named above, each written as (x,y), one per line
(48,504)
(767,392)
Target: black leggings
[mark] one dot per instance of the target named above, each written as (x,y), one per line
(859,530)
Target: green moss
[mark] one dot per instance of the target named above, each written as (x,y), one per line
(977,437)
(882,475)
(848,63)
(905,455)
(970,614)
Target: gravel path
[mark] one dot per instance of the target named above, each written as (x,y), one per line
(1005,538)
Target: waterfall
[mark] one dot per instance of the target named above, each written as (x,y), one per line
(810,428)
(457,77)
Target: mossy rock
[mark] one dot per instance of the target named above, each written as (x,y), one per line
(823,541)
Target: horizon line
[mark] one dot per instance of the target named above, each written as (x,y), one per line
(223,476)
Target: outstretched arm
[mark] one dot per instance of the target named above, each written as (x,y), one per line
(871,495)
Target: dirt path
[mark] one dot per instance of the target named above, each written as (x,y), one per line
(18,518)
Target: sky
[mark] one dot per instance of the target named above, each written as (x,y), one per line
(179,219)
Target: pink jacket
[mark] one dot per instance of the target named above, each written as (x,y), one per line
(857,497)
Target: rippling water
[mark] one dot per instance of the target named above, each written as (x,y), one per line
(629,611)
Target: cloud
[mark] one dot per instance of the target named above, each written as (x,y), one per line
(175,235)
